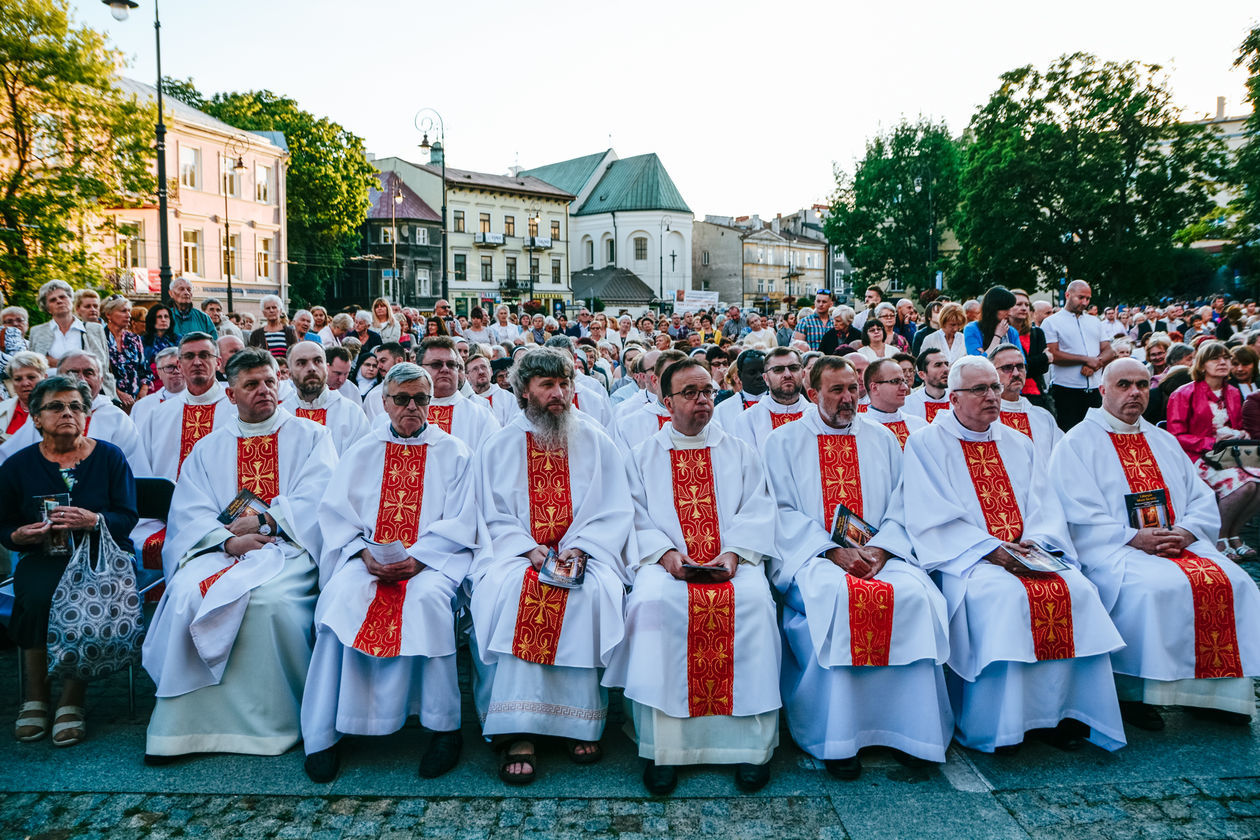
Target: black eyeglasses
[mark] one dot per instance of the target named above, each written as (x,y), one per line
(58,407)
(693,394)
(453,365)
(401,400)
(1020,366)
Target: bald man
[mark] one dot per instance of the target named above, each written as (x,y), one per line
(1078,352)
(1190,618)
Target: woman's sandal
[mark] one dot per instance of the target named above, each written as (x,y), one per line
(36,725)
(508,758)
(1223,546)
(1242,551)
(75,726)
(590,757)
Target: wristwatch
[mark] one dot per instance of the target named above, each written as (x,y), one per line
(263,527)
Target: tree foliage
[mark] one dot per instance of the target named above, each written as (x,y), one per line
(1084,171)
(328,181)
(71,142)
(1246,231)
(890,215)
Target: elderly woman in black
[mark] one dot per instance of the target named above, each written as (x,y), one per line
(95,477)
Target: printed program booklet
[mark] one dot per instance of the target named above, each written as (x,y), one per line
(1040,559)
(56,543)
(245,504)
(1148,509)
(566,574)
(848,530)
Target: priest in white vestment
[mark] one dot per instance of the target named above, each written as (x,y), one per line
(1190,617)
(400,525)
(339,380)
(467,418)
(589,395)
(784,401)
(933,396)
(167,364)
(548,481)
(502,404)
(1026,652)
(637,425)
(750,365)
(700,661)
(308,370)
(1017,411)
(888,390)
(231,639)
(865,630)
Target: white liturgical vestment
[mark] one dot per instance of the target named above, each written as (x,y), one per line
(345,421)
(755,425)
(108,422)
(920,404)
(231,639)
(862,660)
(387,651)
(1027,652)
(502,404)
(170,431)
(1034,421)
(636,426)
(467,418)
(897,422)
(729,410)
(1168,611)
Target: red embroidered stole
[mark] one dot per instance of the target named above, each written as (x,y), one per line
(441,416)
(748,403)
(319,415)
(930,409)
(151,558)
(661,420)
(258,471)
(1017,420)
(397,518)
(1216,652)
(710,606)
(862,407)
(898,428)
(777,420)
(198,420)
(870,601)
(540,612)
(1049,601)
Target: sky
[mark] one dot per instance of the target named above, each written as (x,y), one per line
(749,105)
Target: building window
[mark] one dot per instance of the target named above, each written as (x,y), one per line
(263,258)
(640,248)
(459,221)
(230,253)
(704,258)
(423,282)
(262,183)
(230,180)
(511,272)
(533,225)
(533,270)
(509,226)
(555,230)
(131,244)
(461,268)
(590,252)
(761,287)
(387,235)
(485,222)
(612,252)
(487,269)
(422,235)
(192,252)
(190,167)
(771,286)
(555,272)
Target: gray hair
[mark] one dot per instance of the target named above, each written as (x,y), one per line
(56,385)
(16,310)
(544,361)
(1178,352)
(968,363)
(562,342)
(343,322)
(27,359)
(181,280)
(251,358)
(884,306)
(407,372)
(363,315)
(265,298)
(302,312)
(550,324)
(166,353)
(844,312)
(75,354)
(48,288)
(1005,345)
(1160,338)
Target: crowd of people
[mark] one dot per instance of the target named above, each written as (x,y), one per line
(981,521)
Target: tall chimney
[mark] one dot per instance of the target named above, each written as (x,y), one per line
(1220,107)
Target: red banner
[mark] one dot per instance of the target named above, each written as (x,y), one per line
(319,415)
(1215,631)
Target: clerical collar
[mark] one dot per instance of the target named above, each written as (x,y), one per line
(321,401)
(777,407)
(1013,405)
(878,416)
(265,427)
(399,436)
(952,423)
(451,400)
(1119,426)
(681,441)
(211,396)
(755,397)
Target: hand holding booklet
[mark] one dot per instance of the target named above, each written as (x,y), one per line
(566,574)
(848,530)
(245,503)
(387,554)
(1036,558)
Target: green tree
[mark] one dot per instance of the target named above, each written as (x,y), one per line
(327,187)
(1245,209)
(70,142)
(890,215)
(1084,171)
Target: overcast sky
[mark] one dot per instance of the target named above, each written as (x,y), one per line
(747,103)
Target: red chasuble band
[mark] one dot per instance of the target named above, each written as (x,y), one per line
(540,613)
(151,558)
(710,606)
(1215,631)
(898,428)
(930,409)
(1049,600)
(777,420)
(198,420)
(258,471)
(319,415)
(441,416)
(661,420)
(397,518)
(1017,420)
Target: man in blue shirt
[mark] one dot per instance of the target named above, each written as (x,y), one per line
(186,318)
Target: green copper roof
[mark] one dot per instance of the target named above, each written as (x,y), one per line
(634,183)
(568,175)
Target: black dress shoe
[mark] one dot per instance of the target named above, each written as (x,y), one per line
(660,779)
(1007,750)
(322,767)
(1231,718)
(845,769)
(1142,715)
(913,761)
(751,778)
(151,760)
(1067,736)
(442,754)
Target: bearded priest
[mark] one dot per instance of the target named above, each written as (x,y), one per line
(784,401)
(400,523)
(308,370)
(550,481)
(866,631)
(700,661)
(1027,651)
(231,639)
(1144,525)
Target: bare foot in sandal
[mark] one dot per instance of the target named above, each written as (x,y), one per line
(517,766)
(585,752)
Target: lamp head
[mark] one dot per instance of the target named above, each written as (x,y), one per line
(398,196)
(120,9)
(424,143)
(239,167)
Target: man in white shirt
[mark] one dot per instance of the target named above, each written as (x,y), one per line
(312,400)
(887,388)
(933,396)
(1078,350)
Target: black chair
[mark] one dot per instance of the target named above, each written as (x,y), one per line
(153,501)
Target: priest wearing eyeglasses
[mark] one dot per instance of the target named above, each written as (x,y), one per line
(1028,651)
(464,417)
(784,401)
(1017,412)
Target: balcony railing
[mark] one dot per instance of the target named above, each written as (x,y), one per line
(538,242)
(488,240)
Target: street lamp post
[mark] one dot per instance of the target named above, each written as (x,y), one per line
(393,230)
(533,218)
(121,9)
(428,120)
(665,222)
(234,148)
